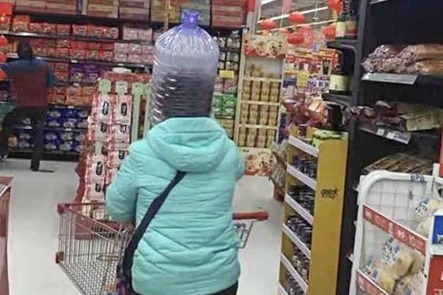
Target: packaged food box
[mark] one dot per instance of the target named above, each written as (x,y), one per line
(104,2)
(134,16)
(135,3)
(134,10)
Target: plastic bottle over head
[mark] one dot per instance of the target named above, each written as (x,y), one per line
(185,69)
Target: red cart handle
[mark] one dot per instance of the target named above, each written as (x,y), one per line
(257,215)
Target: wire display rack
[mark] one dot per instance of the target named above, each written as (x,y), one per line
(388,205)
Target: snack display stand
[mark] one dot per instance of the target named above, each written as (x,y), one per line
(119,116)
(372,138)
(312,215)
(398,239)
(259,103)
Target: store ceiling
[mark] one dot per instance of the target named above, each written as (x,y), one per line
(273,9)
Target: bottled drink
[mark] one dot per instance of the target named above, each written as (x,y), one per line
(185,69)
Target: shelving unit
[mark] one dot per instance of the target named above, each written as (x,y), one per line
(381,23)
(325,222)
(259,102)
(81,18)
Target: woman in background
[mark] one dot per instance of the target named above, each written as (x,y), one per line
(31,79)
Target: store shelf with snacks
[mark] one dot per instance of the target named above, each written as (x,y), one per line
(258,104)
(293,272)
(300,176)
(303,146)
(299,209)
(101,20)
(313,206)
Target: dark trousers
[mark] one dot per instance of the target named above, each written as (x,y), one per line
(37,116)
(230,291)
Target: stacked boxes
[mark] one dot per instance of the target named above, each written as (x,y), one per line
(30,5)
(203,7)
(228,13)
(134,9)
(62,6)
(54,6)
(158,11)
(103,8)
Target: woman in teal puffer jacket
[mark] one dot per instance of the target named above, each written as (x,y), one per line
(190,247)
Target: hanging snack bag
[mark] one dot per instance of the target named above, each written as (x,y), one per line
(97,132)
(96,170)
(123,110)
(120,133)
(95,191)
(116,158)
(102,107)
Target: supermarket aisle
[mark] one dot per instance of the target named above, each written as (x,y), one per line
(33,227)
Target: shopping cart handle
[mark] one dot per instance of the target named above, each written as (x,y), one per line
(257,215)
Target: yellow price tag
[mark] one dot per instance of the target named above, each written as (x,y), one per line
(227,74)
(302,78)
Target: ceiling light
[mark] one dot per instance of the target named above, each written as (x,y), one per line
(302,12)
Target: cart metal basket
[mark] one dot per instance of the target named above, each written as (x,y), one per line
(90,244)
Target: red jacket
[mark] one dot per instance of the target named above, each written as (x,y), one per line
(31,79)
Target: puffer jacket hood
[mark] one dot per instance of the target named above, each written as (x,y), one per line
(189,144)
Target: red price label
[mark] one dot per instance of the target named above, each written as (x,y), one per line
(395,230)
(367,286)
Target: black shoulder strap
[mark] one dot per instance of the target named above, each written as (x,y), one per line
(128,256)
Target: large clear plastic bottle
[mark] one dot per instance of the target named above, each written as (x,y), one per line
(185,69)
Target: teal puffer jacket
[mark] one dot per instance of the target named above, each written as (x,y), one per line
(190,248)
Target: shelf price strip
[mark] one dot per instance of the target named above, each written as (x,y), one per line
(395,230)
(367,286)
(303,146)
(299,209)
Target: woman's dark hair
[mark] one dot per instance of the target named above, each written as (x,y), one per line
(24,50)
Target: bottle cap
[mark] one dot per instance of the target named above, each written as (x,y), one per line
(190,18)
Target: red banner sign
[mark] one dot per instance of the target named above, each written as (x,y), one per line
(395,230)
(435,277)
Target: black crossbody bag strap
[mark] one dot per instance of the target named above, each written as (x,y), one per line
(128,256)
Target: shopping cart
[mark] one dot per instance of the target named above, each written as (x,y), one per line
(90,244)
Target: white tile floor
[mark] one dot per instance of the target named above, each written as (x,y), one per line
(34,221)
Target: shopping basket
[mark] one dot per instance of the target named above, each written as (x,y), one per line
(90,245)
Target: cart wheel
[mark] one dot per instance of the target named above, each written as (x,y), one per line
(59,257)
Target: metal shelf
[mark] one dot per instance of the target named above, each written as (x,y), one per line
(405,79)
(71,37)
(81,18)
(294,273)
(349,44)
(281,290)
(303,146)
(340,99)
(49,128)
(297,242)
(76,61)
(253,126)
(260,79)
(294,172)
(299,209)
